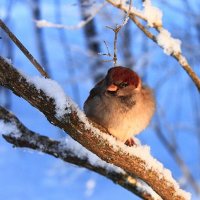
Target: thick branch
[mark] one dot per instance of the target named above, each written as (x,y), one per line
(32,140)
(97,142)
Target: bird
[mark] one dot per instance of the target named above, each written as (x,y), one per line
(121,103)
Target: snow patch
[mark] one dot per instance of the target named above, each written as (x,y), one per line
(53,90)
(152,14)
(83,153)
(168,43)
(143,187)
(44,23)
(8,60)
(8,128)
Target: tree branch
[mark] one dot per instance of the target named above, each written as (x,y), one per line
(136,161)
(23,49)
(63,151)
(177,55)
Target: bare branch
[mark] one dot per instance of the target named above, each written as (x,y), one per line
(125,8)
(23,49)
(116,31)
(94,138)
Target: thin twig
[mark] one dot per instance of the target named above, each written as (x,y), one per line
(107,47)
(124,7)
(108,52)
(142,28)
(116,31)
(23,49)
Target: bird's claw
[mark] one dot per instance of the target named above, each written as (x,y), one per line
(130,142)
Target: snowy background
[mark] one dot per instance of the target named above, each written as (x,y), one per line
(26,174)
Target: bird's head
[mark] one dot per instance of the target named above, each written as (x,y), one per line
(122,81)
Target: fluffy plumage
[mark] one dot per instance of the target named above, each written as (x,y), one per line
(120,103)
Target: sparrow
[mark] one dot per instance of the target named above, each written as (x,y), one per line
(121,104)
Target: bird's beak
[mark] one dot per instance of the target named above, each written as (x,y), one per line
(112,88)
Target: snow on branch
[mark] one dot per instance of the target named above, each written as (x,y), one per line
(153,17)
(92,13)
(69,151)
(135,160)
(152,14)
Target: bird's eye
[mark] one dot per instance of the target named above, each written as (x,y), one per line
(123,84)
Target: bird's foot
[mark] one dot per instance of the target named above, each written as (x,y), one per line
(130,142)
